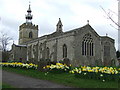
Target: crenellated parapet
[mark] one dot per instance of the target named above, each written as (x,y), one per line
(30,26)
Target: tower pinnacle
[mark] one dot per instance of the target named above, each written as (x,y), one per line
(29,16)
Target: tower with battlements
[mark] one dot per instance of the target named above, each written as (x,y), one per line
(28,31)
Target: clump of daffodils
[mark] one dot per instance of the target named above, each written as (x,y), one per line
(19,64)
(101,73)
(107,70)
(57,67)
(75,70)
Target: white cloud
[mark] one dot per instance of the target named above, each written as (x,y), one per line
(73,13)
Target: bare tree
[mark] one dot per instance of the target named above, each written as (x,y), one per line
(4,41)
(109,15)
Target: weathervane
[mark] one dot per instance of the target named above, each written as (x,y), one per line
(106,34)
(13,41)
(29,2)
(87,21)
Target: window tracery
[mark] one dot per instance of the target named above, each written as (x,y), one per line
(87,45)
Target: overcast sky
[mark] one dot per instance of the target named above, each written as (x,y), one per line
(46,13)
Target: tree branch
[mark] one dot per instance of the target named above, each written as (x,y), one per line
(110,17)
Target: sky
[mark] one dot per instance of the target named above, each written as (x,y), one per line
(46,13)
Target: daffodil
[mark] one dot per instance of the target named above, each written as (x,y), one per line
(101,75)
(103,80)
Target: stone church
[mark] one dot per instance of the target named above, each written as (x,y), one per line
(82,46)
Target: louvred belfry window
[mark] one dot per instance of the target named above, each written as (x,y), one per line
(30,35)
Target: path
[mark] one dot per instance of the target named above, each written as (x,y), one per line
(21,81)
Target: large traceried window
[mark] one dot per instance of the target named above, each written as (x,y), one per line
(87,45)
(64,51)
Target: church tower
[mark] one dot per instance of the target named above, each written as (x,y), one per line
(59,26)
(28,31)
(119,25)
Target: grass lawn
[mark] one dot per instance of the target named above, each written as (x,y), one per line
(64,78)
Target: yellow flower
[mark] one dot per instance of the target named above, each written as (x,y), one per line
(43,67)
(79,72)
(72,72)
(90,71)
(103,80)
(48,66)
(101,75)
(116,72)
(59,64)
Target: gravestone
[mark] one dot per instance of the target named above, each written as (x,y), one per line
(66,61)
(42,63)
(112,62)
(54,62)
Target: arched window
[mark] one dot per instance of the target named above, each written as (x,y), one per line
(87,45)
(83,48)
(40,50)
(30,35)
(64,51)
(47,52)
